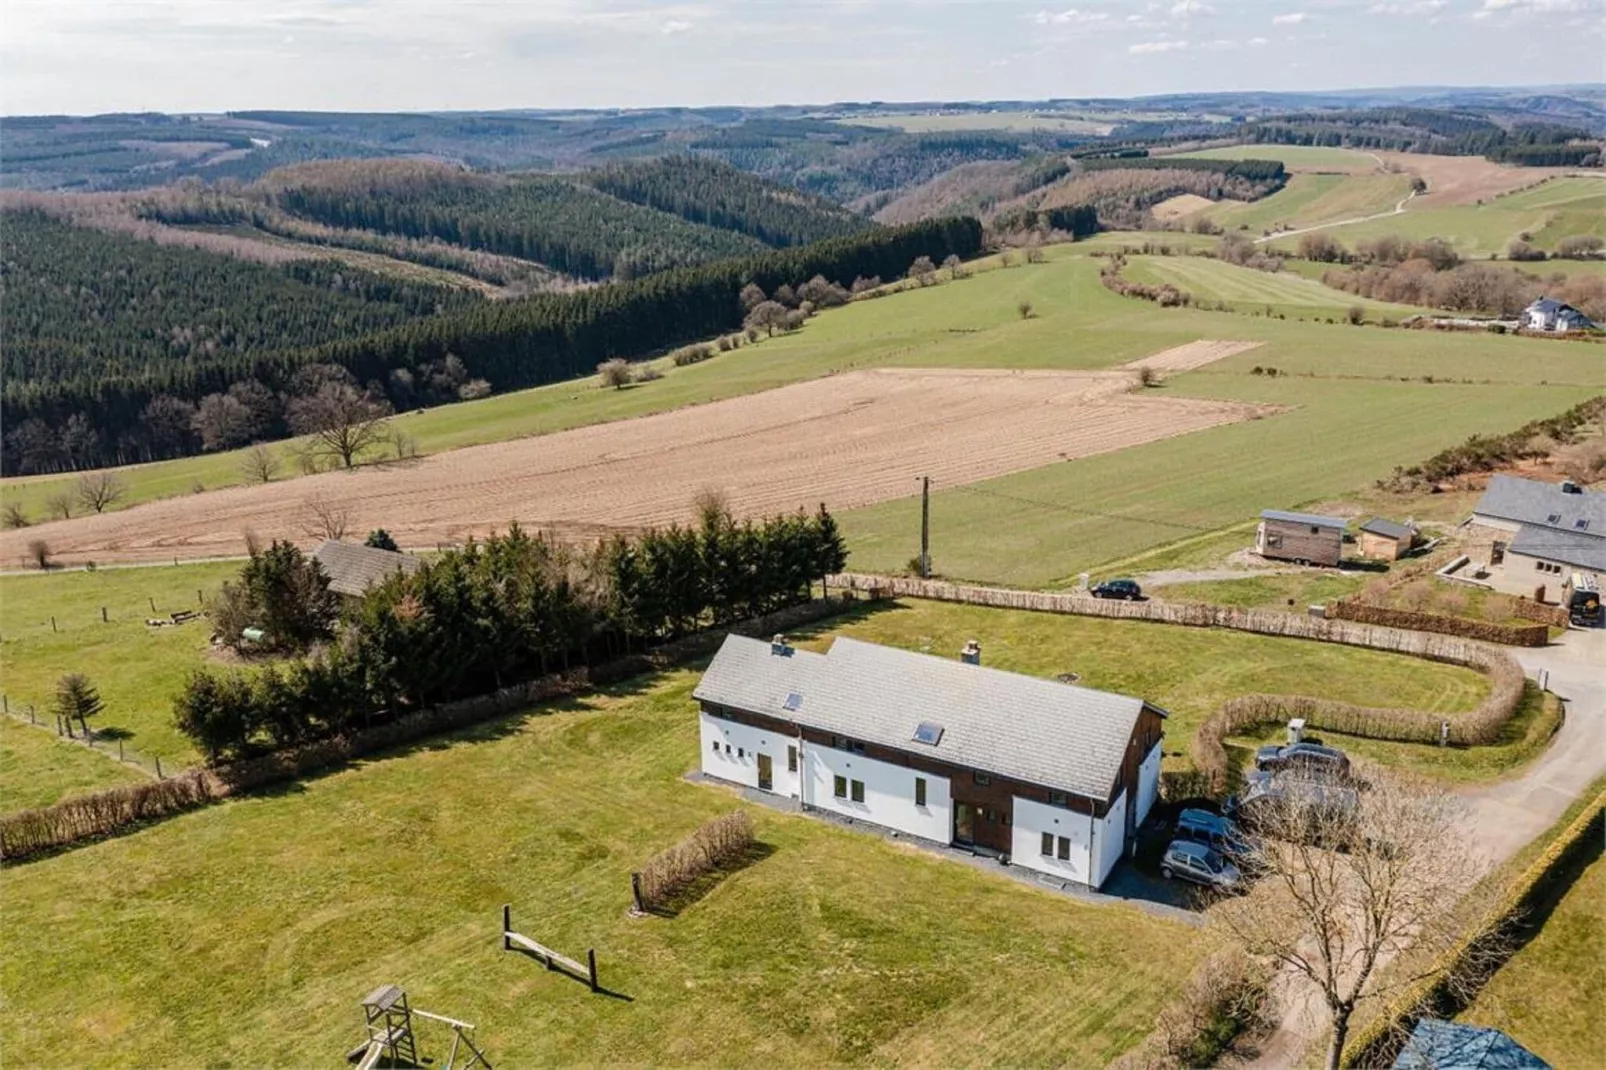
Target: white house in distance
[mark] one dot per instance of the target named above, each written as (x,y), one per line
(1055,776)
(1548,314)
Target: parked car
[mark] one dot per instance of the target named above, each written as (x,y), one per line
(1311,759)
(1212,830)
(1127,590)
(1320,799)
(1186,860)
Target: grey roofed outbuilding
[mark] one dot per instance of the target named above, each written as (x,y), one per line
(1304,518)
(1532,501)
(1389,529)
(353,568)
(1561,546)
(1056,735)
(1439,1045)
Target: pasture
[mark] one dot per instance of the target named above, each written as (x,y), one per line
(38,769)
(1297,158)
(1286,293)
(1313,200)
(831,946)
(941,122)
(137,669)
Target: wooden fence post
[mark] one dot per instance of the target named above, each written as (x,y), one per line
(103,619)
(198,599)
(591,962)
(635,892)
(53,623)
(152,602)
(507,926)
(159,769)
(119,750)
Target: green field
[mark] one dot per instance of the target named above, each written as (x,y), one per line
(245,934)
(930,123)
(1286,590)
(1546,212)
(1548,997)
(1295,157)
(138,669)
(37,769)
(1286,293)
(1314,200)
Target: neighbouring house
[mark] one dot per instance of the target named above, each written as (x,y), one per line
(1547,314)
(1056,777)
(353,568)
(1541,532)
(1303,537)
(1439,1045)
(1385,540)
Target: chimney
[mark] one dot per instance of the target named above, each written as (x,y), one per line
(778,646)
(971,654)
(1569,487)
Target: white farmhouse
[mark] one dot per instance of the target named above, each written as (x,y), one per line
(1057,777)
(1547,314)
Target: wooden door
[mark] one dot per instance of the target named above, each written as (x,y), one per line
(766,773)
(964,823)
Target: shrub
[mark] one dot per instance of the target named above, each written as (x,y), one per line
(34,832)
(12,517)
(648,373)
(1226,996)
(614,372)
(1025,310)
(1147,376)
(39,553)
(1355,314)
(1522,251)
(1580,246)
(380,539)
(716,844)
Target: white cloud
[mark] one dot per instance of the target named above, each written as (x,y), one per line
(1183,9)
(675,26)
(1408,7)
(1068,17)
(1531,7)
(1293,18)
(1220,44)
(1258,41)
(1144,48)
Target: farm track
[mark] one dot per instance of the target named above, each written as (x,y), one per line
(846,440)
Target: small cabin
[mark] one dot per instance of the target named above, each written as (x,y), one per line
(1304,538)
(1385,540)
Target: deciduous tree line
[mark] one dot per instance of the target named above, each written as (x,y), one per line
(510,608)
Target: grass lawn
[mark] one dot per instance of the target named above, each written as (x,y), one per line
(1294,157)
(245,934)
(1286,590)
(38,769)
(1247,290)
(1523,739)
(1188,672)
(1549,995)
(137,669)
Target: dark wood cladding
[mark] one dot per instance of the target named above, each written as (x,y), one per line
(1288,541)
(1145,734)
(755,720)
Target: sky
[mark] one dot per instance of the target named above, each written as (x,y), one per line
(86,56)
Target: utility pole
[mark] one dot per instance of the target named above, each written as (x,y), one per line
(925,527)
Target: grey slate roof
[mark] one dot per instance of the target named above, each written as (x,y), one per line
(1563,547)
(353,568)
(1389,529)
(1056,735)
(1441,1045)
(1531,501)
(1304,518)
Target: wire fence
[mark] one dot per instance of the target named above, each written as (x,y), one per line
(107,743)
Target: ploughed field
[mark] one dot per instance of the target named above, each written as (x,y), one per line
(847,440)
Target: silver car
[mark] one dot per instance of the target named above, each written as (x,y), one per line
(1190,861)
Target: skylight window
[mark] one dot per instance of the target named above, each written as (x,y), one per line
(929,733)
(1553,518)
(1581,525)
(793,701)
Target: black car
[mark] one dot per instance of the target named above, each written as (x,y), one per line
(1309,759)
(1124,589)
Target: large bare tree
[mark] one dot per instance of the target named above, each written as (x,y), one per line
(342,421)
(100,490)
(1347,883)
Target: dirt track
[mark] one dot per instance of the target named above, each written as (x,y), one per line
(846,440)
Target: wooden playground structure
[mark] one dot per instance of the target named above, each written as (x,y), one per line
(389,1019)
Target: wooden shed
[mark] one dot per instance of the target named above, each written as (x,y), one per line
(1302,537)
(1385,540)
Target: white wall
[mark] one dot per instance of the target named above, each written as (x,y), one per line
(746,743)
(1148,782)
(889,793)
(1032,819)
(1109,839)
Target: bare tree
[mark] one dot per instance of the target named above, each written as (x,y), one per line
(751,297)
(342,420)
(259,465)
(60,505)
(614,372)
(765,316)
(323,517)
(223,421)
(12,517)
(1025,310)
(923,271)
(1349,881)
(955,266)
(98,490)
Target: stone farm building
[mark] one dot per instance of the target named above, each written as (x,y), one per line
(1540,532)
(353,568)
(1303,537)
(1055,776)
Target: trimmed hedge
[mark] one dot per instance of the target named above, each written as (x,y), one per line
(30,833)
(717,843)
(1484,631)
(1554,616)
(1374,1043)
